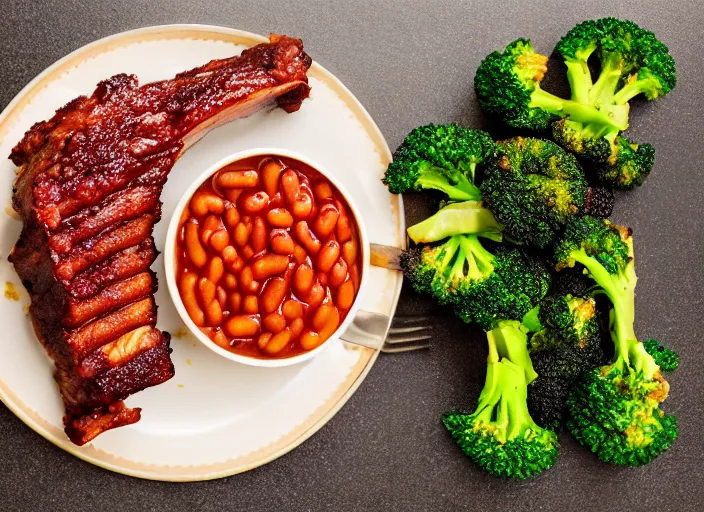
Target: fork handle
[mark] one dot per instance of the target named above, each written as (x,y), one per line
(368,329)
(385,256)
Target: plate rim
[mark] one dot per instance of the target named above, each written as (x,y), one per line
(367,357)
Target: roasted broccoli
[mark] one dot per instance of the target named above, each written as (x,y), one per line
(535,186)
(530,192)
(622,164)
(496,289)
(507,290)
(483,286)
(500,436)
(614,410)
(574,281)
(440,157)
(632,61)
(438,270)
(665,358)
(567,343)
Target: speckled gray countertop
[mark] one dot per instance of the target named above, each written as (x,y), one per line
(411,62)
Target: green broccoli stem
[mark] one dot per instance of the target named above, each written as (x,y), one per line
(531,320)
(633,89)
(491,392)
(605,86)
(503,400)
(468,217)
(481,261)
(472,172)
(620,289)
(457,269)
(624,337)
(580,79)
(593,131)
(518,416)
(450,247)
(436,178)
(511,342)
(614,118)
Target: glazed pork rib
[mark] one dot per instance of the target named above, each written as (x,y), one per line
(87,190)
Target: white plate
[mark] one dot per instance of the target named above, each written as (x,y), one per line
(215,417)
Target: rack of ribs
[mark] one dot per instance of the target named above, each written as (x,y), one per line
(87,190)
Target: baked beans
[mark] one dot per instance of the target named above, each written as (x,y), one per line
(267,258)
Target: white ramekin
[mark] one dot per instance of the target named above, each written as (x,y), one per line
(170,257)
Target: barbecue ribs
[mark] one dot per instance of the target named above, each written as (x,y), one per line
(87,190)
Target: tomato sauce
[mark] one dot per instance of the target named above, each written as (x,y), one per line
(268,257)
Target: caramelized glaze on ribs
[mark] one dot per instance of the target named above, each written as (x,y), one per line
(88,189)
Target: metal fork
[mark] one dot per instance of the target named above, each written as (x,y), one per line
(408,333)
(376,330)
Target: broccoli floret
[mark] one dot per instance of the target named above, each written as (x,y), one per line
(614,410)
(629,164)
(485,287)
(547,399)
(567,343)
(665,358)
(508,85)
(442,157)
(566,321)
(516,283)
(617,417)
(574,281)
(589,124)
(633,62)
(570,135)
(438,270)
(419,265)
(535,187)
(500,436)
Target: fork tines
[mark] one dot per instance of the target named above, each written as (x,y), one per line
(408,333)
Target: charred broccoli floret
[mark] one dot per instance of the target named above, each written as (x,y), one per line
(535,187)
(438,270)
(508,85)
(633,62)
(500,436)
(440,157)
(665,358)
(590,123)
(565,320)
(567,343)
(629,164)
(614,410)
(484,286)
(617,416)
(574,281)
(516,283)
